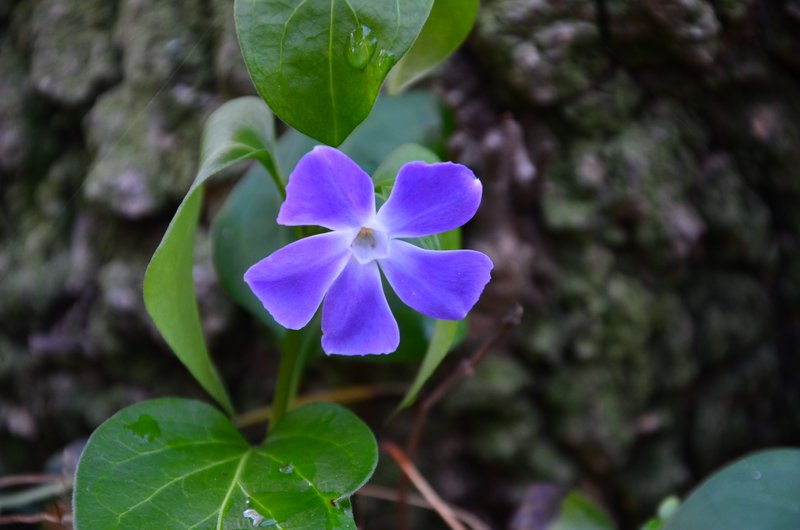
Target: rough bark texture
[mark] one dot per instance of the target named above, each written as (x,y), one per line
(642,170)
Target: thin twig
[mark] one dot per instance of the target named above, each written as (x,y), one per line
(410,471)
(31,478)
(373,491)
(34,494)
(465,370)
(35,518)
(340,395)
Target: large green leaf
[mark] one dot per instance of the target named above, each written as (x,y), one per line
(760,491)
(319,64)
(447,26)
(412,118)
(180,464)
(239,130)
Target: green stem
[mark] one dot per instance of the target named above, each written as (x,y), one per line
(287,384)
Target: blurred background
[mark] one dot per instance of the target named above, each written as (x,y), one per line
(641,167)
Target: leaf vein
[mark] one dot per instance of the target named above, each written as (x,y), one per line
(256,502)
(283,39)
(169,448)
(397,17)
(234,482)
(325,500)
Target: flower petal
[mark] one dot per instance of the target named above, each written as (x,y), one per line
(442,284)
(328,189)
(356,319)
(292,281)
(430,198)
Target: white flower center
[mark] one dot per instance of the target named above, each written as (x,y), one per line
(370,244)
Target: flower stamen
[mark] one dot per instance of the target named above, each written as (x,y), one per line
(370,244)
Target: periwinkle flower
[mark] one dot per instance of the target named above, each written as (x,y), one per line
(343,266)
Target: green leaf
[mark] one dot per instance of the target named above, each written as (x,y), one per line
(579,513)
(444,335)
(239,130)
(415,117)
(319,64)
(180,464)
(245,231)
(759,491)
(447,27)
(386,173)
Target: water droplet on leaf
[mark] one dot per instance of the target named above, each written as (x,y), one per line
(386,60)
(255,517)
(287,468)
(145,428)
(756,475)
(268,522)
(360,47)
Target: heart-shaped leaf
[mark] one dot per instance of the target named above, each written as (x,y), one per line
(319,64)
(760,491)
(180,464)
(239,130)
(447,26)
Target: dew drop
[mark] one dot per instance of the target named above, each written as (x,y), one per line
(287,468)
(756,475)
(268,522)
(360,47)
(255,517)
(385,61)
(145,428)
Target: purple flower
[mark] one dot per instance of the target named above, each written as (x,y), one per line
(342,266)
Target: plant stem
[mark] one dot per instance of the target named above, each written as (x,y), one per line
(286,386)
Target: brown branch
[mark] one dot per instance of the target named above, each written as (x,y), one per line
(410,471)
(465,370)
(31,478)
(373,491)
